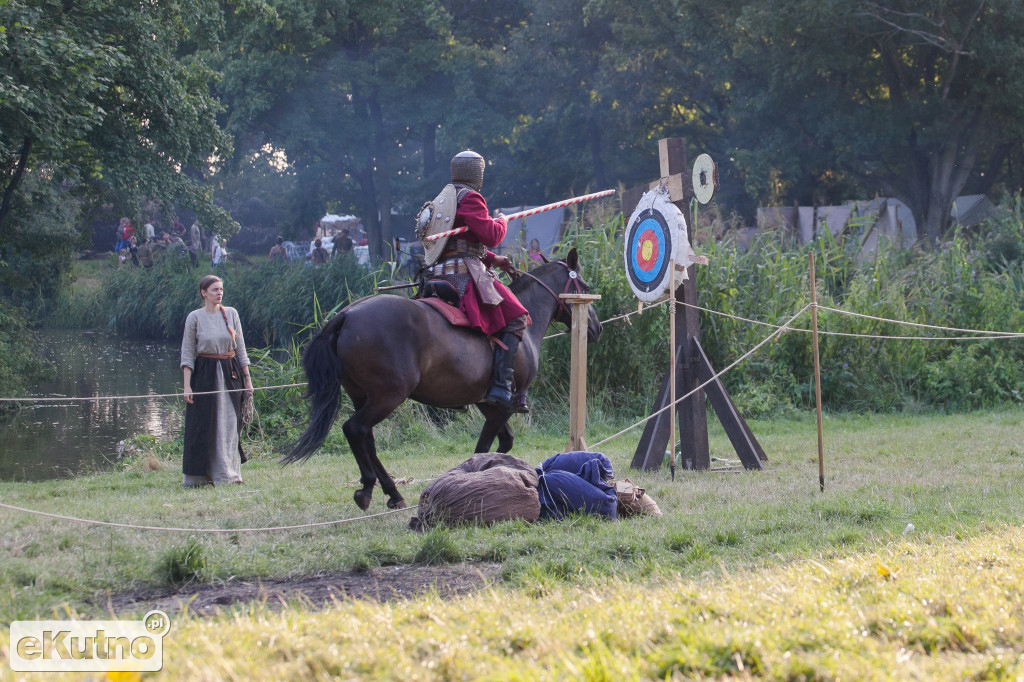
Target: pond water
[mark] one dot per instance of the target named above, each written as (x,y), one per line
(65,438)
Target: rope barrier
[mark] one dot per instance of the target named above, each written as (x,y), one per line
(920,324)
(168,529)
(998,335)
(777,332)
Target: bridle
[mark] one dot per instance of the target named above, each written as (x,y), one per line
(573,285)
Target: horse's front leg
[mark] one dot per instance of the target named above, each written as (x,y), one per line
(495,425)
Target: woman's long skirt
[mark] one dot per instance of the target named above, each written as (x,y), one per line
(213,425)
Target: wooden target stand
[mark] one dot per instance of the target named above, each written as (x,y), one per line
(692,365)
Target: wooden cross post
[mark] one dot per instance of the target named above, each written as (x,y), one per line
(578,369)
(692,365)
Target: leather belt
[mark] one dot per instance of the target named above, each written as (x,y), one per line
(218,356)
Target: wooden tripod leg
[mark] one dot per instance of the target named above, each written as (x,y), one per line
(742,438)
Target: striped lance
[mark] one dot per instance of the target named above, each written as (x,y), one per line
(529,212)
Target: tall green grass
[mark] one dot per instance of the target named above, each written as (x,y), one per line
(974,281)
(276,303)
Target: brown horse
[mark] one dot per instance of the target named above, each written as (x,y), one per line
(385,349)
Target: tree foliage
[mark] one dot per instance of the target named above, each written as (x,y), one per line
(108,101)
(820,102)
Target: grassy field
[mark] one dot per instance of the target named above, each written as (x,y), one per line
(907,565)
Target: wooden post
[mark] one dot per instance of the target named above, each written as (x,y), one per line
(817,375)
(578,369)
(672,369)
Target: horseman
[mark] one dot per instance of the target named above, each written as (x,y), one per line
(465,263)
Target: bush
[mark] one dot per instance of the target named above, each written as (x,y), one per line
(20,364)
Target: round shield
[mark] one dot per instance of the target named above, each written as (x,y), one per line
(436,216)
(705,178)
(655,238)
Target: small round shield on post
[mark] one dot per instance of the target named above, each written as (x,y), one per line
(705,178)
(435,217)
(655,237)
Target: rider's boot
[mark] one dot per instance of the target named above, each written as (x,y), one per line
(500,392)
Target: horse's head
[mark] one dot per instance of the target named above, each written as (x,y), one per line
(576,284)
(554,278)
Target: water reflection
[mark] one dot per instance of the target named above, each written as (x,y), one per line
(52,440)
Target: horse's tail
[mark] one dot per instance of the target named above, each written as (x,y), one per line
(323,374)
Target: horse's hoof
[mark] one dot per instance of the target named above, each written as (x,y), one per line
(362,500)
(398,503)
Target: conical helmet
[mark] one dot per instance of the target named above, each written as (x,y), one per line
(468,169)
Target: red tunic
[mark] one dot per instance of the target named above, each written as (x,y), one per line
(490,319)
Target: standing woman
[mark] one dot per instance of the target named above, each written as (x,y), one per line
(213,359)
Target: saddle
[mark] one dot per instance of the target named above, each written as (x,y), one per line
(442,297)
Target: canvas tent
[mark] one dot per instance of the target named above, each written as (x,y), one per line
(545,227)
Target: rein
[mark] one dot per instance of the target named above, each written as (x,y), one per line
(573,285)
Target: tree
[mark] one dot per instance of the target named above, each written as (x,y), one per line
(353,93)
(109,101)
(818,100)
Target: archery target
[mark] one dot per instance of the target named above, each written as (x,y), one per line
(655,237)
(705,178)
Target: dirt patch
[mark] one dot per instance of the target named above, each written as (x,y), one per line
(388,583)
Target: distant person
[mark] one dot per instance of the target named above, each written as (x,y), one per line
(360,236)
(145,253)
(131,252)
(220,254)
(195,242)
(175,245)
(344,241)
(278,253)
(150,231)
(213,358)
(124,234)
(320,255)
(179,229)
(534,255)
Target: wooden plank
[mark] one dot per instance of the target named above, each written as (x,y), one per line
(578,369)
(676,184)
(736,428)
(695,452)
(672,156)
(630,198)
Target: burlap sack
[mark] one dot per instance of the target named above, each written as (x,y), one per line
(634,500)
(487,487)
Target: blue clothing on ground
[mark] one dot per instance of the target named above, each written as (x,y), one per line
(574,461)
(575,482)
